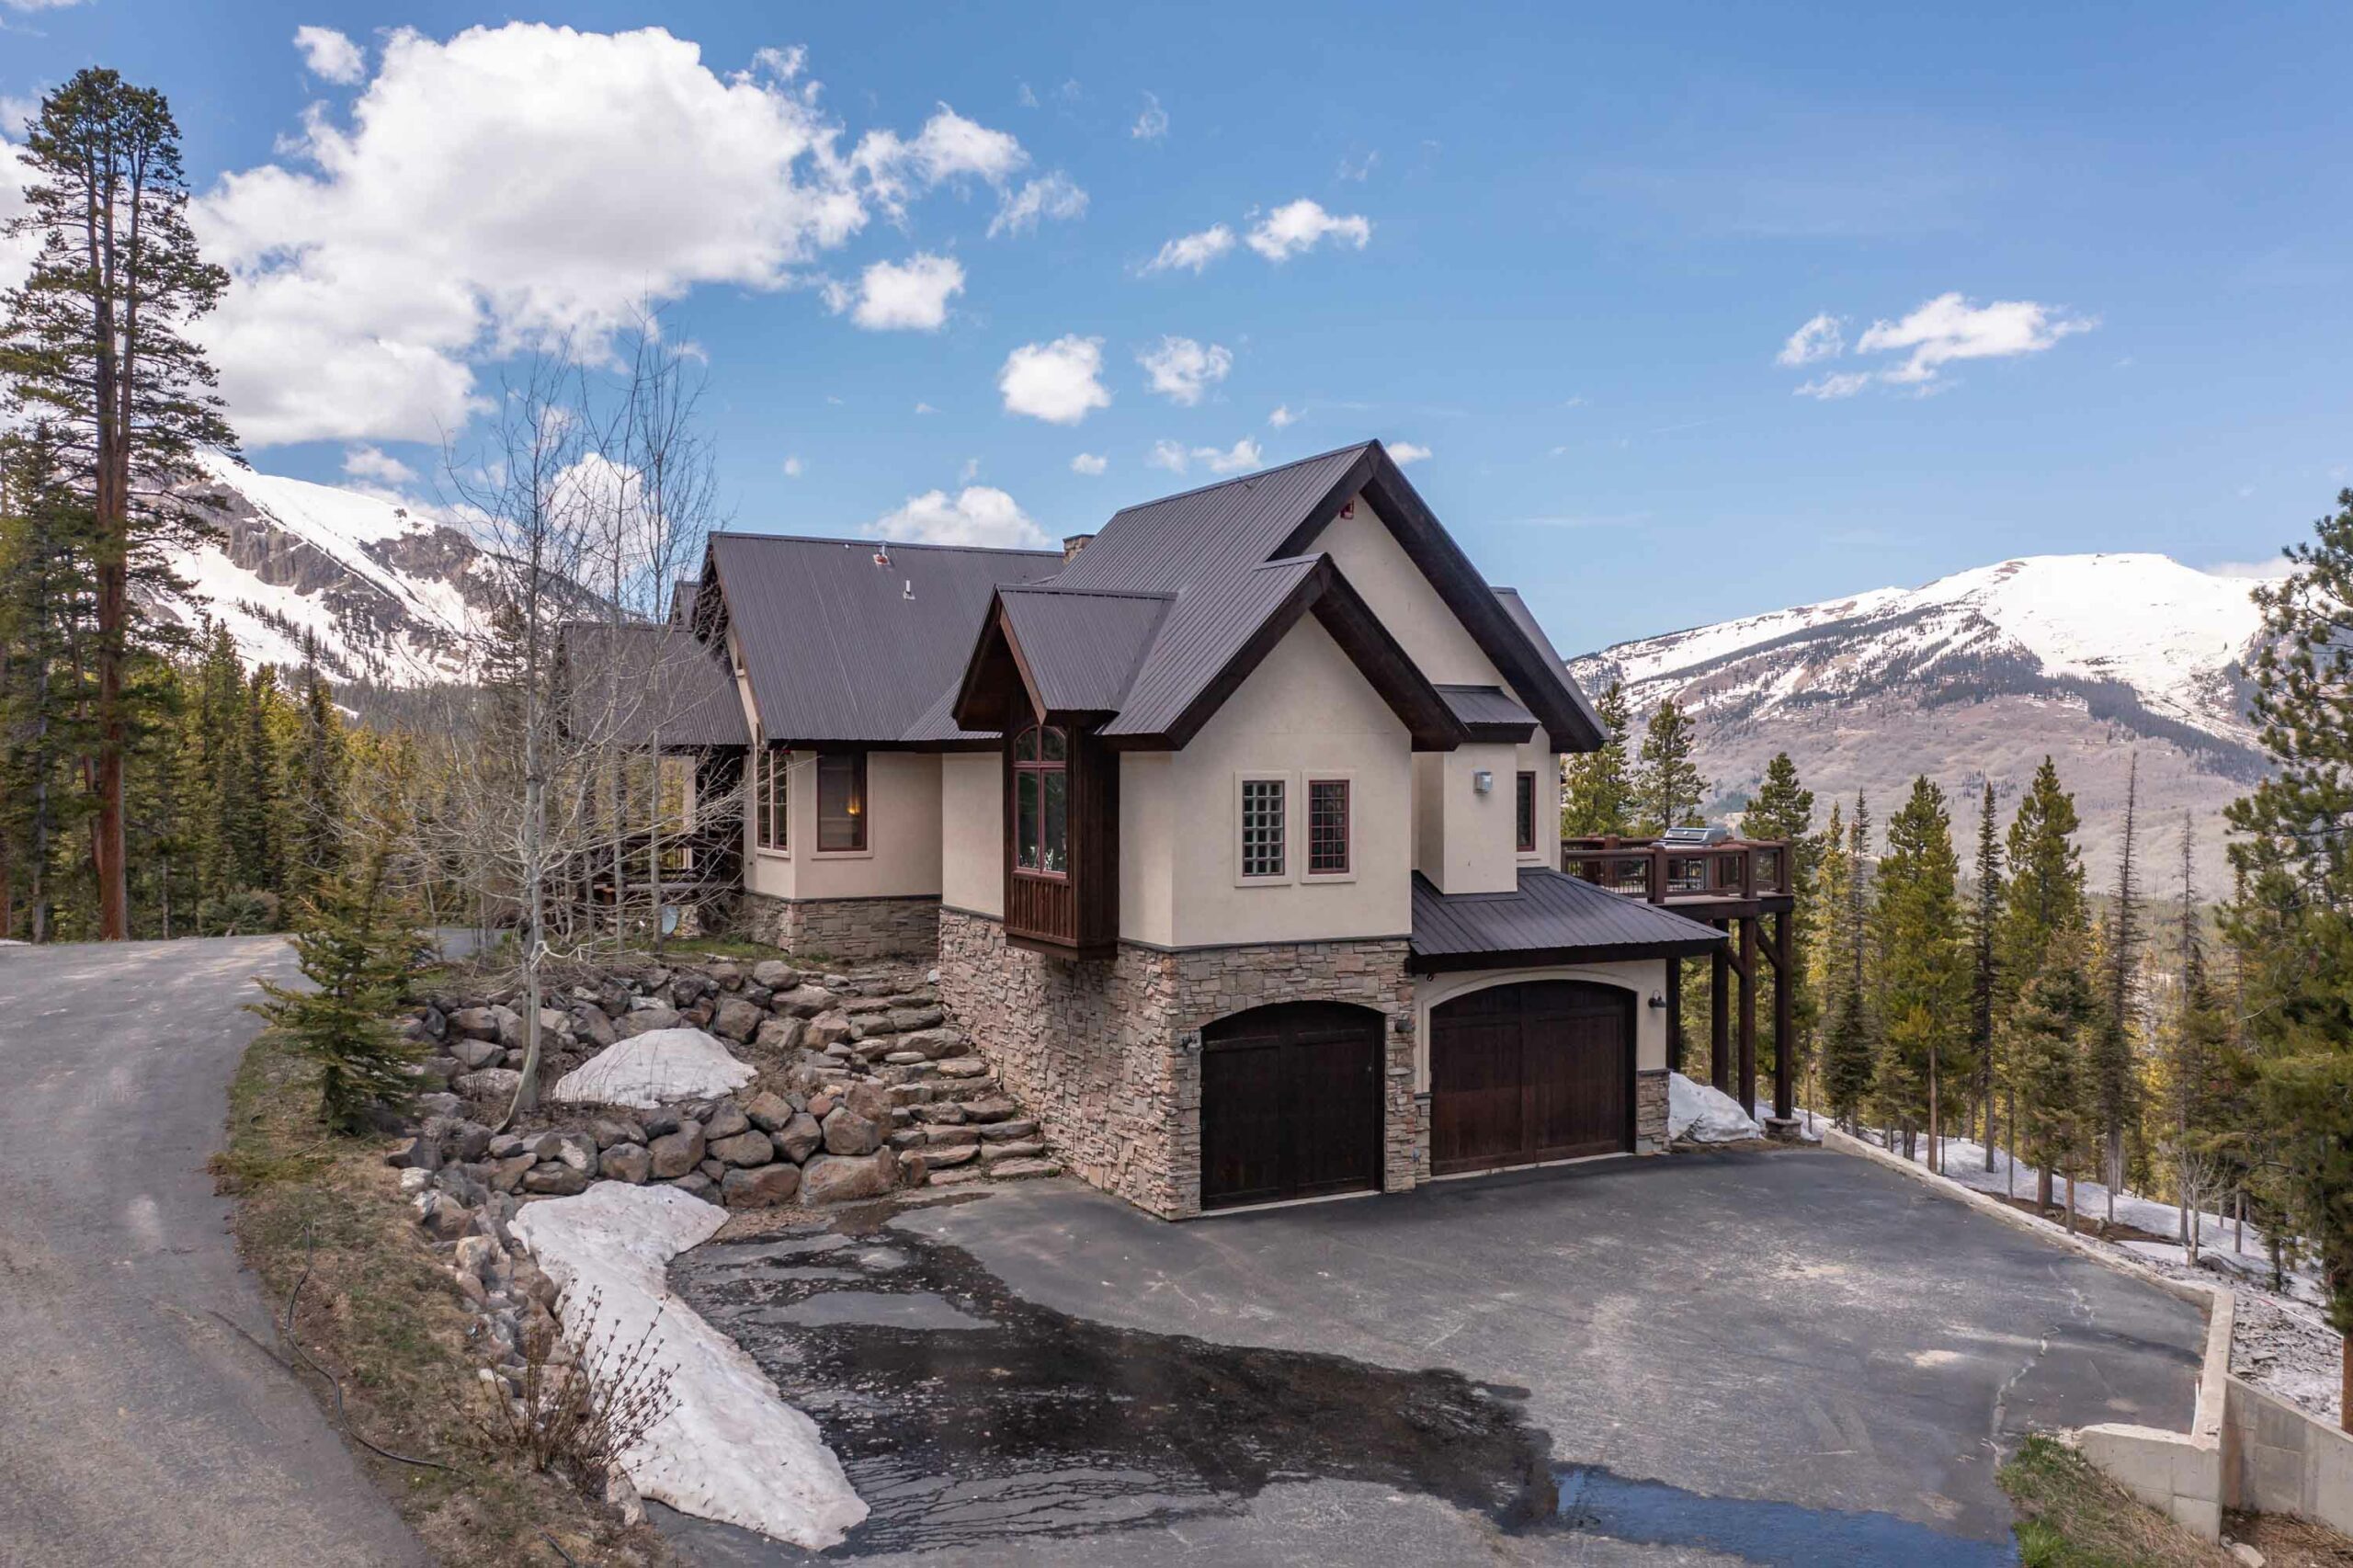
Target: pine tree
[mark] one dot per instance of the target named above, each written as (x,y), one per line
(255,824)
(2115,1077)
(46,600)
(1668,787)
(1783,811)
(315,782)
(1922,966)
(1599,795)
(1825,953)
(2293,919)
(1850,1060)
(1984,932)
(360,956)
(2044,898)
(2044,1038)
(93,341)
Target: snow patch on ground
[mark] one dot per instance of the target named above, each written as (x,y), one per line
(731,1449)
(1697,1113)
(659,1067)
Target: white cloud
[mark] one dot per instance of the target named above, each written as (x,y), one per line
(1052,196)
(1300,226)
(794,468)
(970,471)
(1059,381)
(1822,338)
(1405,452)
(397,244)
(1947,329)
(948,147)
(1152,123)
(16,251)
(979,513)
(1361,169)
(1181,370)
(1283,417)
(926,408)
(903,296)
(39,5)
(1089,463)
(1243,455)
(329,55)
(1196,251)
(1025,97)
(373,466)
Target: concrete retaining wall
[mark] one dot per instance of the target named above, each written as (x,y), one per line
(2280,1460)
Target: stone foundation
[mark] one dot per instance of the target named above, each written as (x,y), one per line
(848,928)
(1106,1054)
(1650,1111)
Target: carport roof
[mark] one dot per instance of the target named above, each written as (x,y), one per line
(1551,918)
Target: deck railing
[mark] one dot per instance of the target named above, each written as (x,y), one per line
(1663,873)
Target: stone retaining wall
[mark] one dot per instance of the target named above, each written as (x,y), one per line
(1106,1055)
(843,928)
(1650,1111)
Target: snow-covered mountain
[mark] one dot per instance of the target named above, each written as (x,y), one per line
(2089,658)
(387,591)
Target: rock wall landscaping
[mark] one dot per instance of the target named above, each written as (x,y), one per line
(844,929)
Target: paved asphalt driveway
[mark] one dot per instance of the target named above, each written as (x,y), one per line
(138,1421)
(1788,1356)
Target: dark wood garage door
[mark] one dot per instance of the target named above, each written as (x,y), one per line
(1291,1103)
(1543,1070)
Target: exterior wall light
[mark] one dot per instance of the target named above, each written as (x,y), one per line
(1482,782)
(1658,1000)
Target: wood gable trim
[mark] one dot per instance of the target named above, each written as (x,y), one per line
(1458,584)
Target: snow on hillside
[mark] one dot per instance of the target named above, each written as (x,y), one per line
(2092,660)
(387,592)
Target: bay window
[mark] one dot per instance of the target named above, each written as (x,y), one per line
(1041,801)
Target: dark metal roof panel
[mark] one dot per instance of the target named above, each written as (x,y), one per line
(1211,538)
(1485,705)
(1550,911)
(1082,649)
(840,647)
(1525,619)
(668,689)
(1205,626)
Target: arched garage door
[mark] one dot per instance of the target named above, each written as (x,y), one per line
(1291,1103)
(1542,1070)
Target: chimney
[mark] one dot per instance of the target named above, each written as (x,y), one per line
(1073,544)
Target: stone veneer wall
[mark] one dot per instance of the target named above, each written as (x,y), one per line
(1650,1111)
(852,928)
(1095,1051)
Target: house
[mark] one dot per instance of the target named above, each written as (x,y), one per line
(1232,830)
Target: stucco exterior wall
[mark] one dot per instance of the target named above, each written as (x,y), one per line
(1148,853)
(1538,756)
(971,831)
(1305,712)
(1466,842)
(1385,577)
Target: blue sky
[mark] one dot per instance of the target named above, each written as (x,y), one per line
(1587,237)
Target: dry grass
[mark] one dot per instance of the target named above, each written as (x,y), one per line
(377,1310)
(2069,1515)
(2290,1543)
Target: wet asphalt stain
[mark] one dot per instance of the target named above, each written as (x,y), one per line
(968,1417)
(1778,1535)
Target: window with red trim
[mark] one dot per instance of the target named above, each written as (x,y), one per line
(1526,808)
(1327,827)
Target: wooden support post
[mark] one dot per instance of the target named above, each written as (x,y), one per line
(1674,1014)
(1785,1014)
(1747,1095)
(1719,1011)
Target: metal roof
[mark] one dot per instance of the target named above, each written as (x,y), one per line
(1488,712)
(1205,628)
(1082,649)
(668,688)
(1525,619)
(1552,919)
(858,639)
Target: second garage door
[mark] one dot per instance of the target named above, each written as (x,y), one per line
(1291,1103)
(1543,1070)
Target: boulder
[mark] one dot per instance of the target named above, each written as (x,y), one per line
(473,1053)
(761,1188)
(465,1141)
(697,1185)
(434,1073)
(826,1028)
(776,974)
(908,1019)
(905,1059)
(577,1150)
(997,1153)
(769,1111)
(613,999)
(626,1162)
(936,1158)
(743,1148)
(951,1137)
(781,1034)
(507,1172)
(609,1132)
(507,1145)
(801,1001)
(991,1110)
(645,1020)
(437,1102)
(592,1023)
(1015,1170)
(556,1178)
(838,1178)
(712,1169)
(1009,1132)
(932,1042)
(736,1019)
(726,974)
(675,1153)
(799,1137)
(444,1218)
(725,1120)
(963,1067)
(847,1132)
(511,1026)
(474,1023)
(419,1153)
(490,1084)
(872,1101)
(434,1022)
